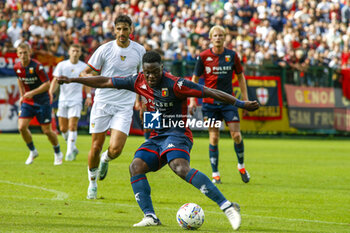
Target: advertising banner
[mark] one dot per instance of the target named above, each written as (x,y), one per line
(9,103)
(311,118)
(342,119)
(310,97)
(7,61)
(267,90)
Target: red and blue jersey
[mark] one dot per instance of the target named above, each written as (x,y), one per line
(218,70)
(32,76)
(169,98)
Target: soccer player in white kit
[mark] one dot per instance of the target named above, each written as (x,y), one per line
(112,109)
(70,99)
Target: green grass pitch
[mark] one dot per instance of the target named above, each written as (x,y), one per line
(296,186)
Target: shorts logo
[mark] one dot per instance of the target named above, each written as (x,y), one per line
(170,145)
(227,58)
(122,57)
(151,120)
(165,92)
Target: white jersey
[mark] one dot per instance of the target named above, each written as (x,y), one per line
(71,93)
(111,61)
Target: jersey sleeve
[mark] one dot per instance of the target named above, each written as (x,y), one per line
(184,88)
(199,67)
(40,71)
(237,66)
(139,66)
(127,83)
(57,72)
(96,60)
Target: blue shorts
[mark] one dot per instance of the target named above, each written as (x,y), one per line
(220,112)
(41,112)
(160,150)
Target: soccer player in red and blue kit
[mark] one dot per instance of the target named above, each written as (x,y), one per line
(33,85)
(218,65)
(166,96)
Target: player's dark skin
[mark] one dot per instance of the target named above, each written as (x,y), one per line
(153,73)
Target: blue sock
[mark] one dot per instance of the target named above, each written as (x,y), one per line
(142,192)
(239,148)
(31,146)
(214,157)
(203,183)
(57,149)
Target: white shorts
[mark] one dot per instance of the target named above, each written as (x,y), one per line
(106,116)
(66,111)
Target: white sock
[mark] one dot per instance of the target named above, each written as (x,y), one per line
(215,174)
(92,175)
(72,137)
(104,157)
(240,166)
(225,205)
(65,135)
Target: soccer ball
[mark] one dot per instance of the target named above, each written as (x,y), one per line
(190,216)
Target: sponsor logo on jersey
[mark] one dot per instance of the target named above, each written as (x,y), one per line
(227,58)
(207,69)
(31,70)
(209,59)
(263,95)
(122,57)
(165,92)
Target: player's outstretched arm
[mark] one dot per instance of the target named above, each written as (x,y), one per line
(229,99)
(94,81)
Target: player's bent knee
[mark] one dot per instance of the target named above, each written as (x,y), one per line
(115,152)
(138,166)
(180,167)
(236,136)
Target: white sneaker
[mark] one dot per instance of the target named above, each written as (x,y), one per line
(58,158)
(32,155)
(233,215)
(148,220)
(92,193)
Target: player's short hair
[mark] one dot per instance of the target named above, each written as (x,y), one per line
(123,19)
(216,27)
(151,56)
(24,45)
(77,46)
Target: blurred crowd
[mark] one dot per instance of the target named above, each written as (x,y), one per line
(292,33)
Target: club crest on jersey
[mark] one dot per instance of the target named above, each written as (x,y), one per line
(165,92)
(92,125)
(227,58)
(209,59)
(31,70)
(122,57)
(263,95)
(18,71)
